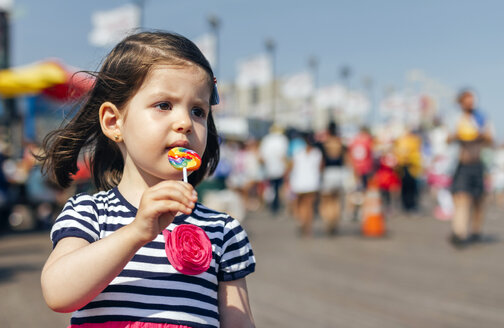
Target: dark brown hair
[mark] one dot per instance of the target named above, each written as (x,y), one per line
(463,93)
(121,75)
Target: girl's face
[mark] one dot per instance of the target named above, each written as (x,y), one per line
(169,110)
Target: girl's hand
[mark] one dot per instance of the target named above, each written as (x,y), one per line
(159,205)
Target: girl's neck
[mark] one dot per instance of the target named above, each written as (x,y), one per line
(133,184)
(131,192)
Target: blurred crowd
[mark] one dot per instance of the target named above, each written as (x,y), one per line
(325,174)
(28,199)
(289,172)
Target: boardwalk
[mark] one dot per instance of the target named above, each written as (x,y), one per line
(412,278)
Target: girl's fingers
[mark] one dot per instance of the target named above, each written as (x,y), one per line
(174,191)
(165,188)
(176,195)
(166,197)
(170,206)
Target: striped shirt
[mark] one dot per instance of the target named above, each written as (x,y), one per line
(149,289)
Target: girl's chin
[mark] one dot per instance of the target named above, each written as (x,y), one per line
(171,176)
(174,176)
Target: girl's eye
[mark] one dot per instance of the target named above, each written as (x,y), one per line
(164,106)
(199,112)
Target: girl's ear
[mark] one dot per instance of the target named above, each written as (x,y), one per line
(111,121)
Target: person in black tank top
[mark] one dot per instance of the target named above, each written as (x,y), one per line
(333,176)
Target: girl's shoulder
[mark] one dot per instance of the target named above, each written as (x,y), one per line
(92,216)
(97,199)
(102,206)
(207,216)
(213,221)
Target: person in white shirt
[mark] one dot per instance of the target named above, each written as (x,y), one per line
(273,151)
(304,180)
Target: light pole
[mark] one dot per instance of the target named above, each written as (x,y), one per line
(345,73)
(5,43)
(368,84)
(141,8)
(215,24)
(270,46)
(313,64)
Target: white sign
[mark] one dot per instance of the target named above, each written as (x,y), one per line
(298,86)
(6,5)
(255,71)
(111,26)
(207,43)
(331,96)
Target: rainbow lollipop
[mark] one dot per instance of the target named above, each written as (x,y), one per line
(184,160)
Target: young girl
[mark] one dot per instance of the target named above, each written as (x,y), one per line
(110,260)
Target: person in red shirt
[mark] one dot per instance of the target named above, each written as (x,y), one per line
(361,156)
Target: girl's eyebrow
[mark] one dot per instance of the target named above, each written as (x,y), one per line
(163,94)
(202,103)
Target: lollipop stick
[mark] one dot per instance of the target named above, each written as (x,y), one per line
(184,171)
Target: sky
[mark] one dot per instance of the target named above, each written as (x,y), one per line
(458,44)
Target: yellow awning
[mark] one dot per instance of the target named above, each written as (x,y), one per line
(30,79)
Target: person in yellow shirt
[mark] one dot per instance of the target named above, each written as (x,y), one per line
(408,151)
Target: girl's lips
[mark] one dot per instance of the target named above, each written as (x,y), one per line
(180,143)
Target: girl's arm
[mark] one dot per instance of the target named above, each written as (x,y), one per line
(234,307)
(77,271)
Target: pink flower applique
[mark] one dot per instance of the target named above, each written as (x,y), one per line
(188,249)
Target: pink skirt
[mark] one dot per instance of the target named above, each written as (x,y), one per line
(127,324)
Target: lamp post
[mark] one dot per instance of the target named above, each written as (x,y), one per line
(214,22)
(141,9)
(270,46)
(368,84)
(313,64)
(345,73)
(8,103)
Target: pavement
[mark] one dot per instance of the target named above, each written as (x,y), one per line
(410,278)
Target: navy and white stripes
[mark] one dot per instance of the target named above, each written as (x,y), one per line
(149,289)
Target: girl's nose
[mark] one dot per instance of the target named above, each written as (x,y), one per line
(183,122)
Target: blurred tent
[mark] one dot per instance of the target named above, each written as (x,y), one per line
(50,77)
(43,87)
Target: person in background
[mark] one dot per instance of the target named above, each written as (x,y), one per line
(473,133)
(273,151)
(296,143)
(5,197)
(497,174)
(439,170)
(388,180)
(246,173)
(333,177)
(305,182)
(361,158)
(408,151)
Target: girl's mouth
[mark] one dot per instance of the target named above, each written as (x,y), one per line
(179,143)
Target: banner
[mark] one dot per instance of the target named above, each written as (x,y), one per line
(298,86)
(111,26)
(357,105)
(401,107)
(207,43)
(6,5)
(255,71)
(331,96)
